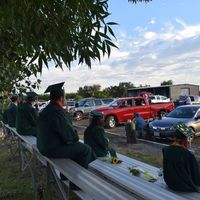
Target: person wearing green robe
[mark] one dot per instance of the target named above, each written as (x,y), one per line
(94,136)
(12,110)
(180,167)
(5,116)
(27,116)
(57,138)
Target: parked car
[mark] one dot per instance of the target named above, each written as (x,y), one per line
(70,103)
(122,109)
(195,100)
(84,106)
(187,100)
(159,99)
(188,114)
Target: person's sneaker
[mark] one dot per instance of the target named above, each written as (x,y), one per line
(72,186)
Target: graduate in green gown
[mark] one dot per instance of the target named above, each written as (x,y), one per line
(5,116)
(180,167)
(57,138)
(27,116)
(12,110)
(95,137)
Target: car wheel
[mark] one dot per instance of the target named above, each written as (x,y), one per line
(78,115)
(110,122)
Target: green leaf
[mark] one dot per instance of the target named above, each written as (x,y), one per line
(111,32)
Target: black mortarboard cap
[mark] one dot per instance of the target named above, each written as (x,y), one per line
(96,115)
(31,95)
(182,131)
(55,90)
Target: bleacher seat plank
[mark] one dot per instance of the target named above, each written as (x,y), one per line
(133,184)
(127,162)
(93,185)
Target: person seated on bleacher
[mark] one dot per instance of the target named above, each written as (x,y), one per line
(180,167)
(5,116)
(26,119)
(94,136)
(56,136)
(12,110)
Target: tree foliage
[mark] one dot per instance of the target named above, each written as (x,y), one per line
(168,82)
(89,91)
(58,30)
(13,66)
(35,32)
(120,90)
(136,1)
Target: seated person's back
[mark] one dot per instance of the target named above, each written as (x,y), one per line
(12,111)
(26,119)
(94,136)
(56,136)
(180,167)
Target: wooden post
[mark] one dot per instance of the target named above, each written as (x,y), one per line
(130,133)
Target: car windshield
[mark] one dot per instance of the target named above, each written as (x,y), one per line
(80,103)
(183,112)
(115,103)
(70,103)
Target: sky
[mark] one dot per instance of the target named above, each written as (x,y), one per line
(157,41)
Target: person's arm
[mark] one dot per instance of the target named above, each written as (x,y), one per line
(64,128)
(100,138)
(195,170)
(32,115)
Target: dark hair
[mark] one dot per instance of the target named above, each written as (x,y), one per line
(56,95)
(30,99)
(94,122)
(14,98)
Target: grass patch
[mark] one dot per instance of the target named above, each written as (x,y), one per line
(13,184)
(17,185)
(147,158)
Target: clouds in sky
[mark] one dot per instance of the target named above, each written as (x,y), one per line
(144,57)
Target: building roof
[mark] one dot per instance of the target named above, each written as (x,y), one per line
(162,86)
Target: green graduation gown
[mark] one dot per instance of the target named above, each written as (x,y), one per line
(95,137)
(57,138)
(5,116)
(26,119)
(181,169)
(11,114)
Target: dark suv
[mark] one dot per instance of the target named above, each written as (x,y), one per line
(84,106)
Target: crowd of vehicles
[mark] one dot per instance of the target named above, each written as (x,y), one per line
(188,114)
(187,100)
(122,109)
(83,107)
(150,107)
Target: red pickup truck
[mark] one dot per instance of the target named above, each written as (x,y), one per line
(122,109)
